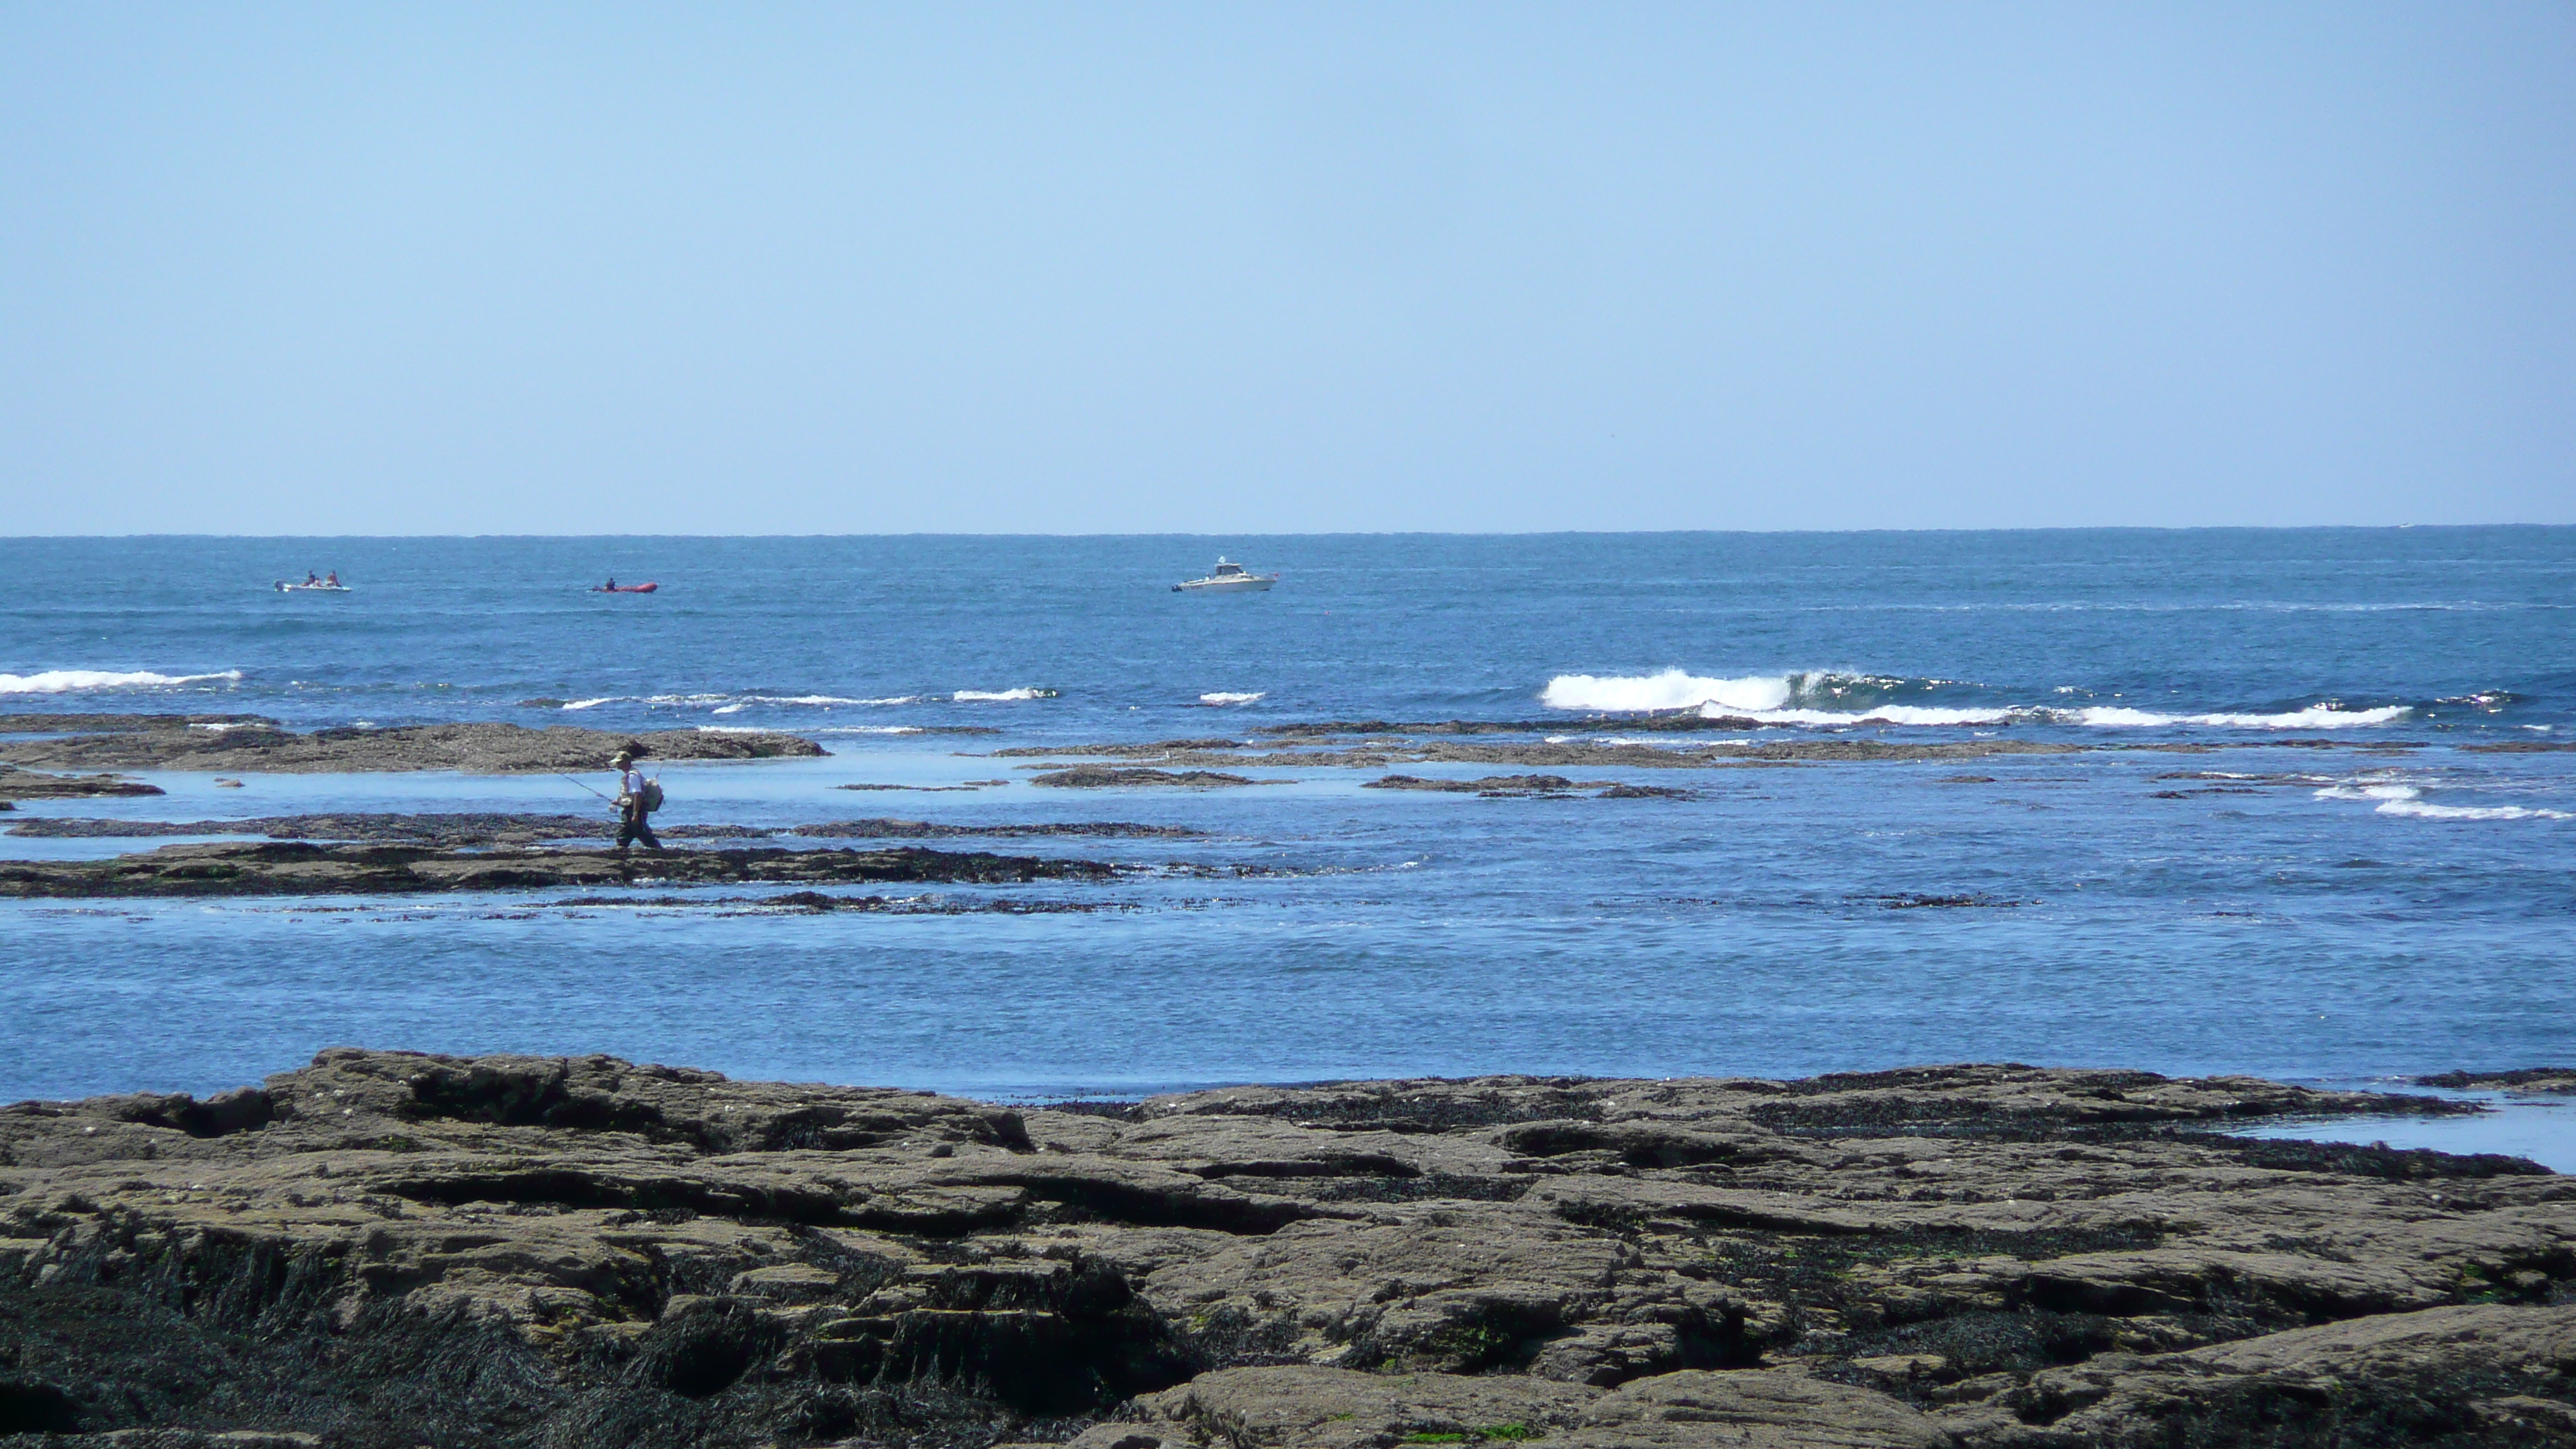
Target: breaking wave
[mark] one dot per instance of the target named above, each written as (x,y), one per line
(1225,697)
(2409,801)
(2314,717)
(748,700)
(65,681)
(732,703)
(1671,689)
(1904,714)
(980,696)
(1824,698)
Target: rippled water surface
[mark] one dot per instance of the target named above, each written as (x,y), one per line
(2353,884)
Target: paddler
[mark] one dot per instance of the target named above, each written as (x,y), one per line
(633,820)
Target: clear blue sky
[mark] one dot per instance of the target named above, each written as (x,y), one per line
(1218,267)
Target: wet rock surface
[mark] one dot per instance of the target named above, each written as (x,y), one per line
(472,748)
(1490,784)
(1563,754)
(17,784)
(301,869)
(1529,786)
(1377,744)
(427,828)
(881,828)
(32,723)
(483,828)
(2522,1079)
(393,1249)
(1095,777)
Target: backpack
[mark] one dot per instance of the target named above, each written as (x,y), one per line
(649,799)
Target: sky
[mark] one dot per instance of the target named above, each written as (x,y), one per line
(955,267)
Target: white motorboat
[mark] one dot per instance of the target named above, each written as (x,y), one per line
(1226,578)
(284,587)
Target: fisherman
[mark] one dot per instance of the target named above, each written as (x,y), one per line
(633,820)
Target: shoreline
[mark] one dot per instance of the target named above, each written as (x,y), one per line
(296,868)
(613,1253)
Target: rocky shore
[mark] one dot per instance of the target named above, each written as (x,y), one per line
(284,868)
(1371,745)
(393,1249)
(17,784)
(490,828)
(241,745)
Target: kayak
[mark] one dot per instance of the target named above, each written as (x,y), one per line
(284,587)
(624,588)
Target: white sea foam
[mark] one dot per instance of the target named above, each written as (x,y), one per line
(1223,697)
(1826,699)
(1903,714)
(865,730)
(1671,689)
(973,696)
(2369,792)
(2314,717)
(822,700)
(2426,810)
(2408,801)
(65,681)
(733,703)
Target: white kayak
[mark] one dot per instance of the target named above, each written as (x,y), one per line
(1226,578)
(284,587)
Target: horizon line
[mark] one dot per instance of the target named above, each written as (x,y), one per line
(1357,533)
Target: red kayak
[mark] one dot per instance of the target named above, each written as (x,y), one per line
(625,588)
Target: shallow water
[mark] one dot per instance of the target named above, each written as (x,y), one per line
(2392,904)
(2512,1125)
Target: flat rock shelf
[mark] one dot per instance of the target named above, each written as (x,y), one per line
(387,1248)
(301,869)
(253,745)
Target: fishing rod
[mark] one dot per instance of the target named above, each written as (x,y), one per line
(560,775)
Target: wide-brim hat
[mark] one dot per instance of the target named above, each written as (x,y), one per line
(622,757)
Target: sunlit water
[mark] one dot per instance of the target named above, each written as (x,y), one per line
(2393,910)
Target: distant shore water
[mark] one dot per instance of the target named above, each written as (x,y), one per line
(2291,803)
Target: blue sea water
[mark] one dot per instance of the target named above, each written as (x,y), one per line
(2404,904)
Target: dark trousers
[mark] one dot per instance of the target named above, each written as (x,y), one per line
(631,827)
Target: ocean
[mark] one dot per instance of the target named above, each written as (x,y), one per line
(2294,847)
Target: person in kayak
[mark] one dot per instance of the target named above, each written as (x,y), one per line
(610,587)
(332,579)
(634,821)
(311,578)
